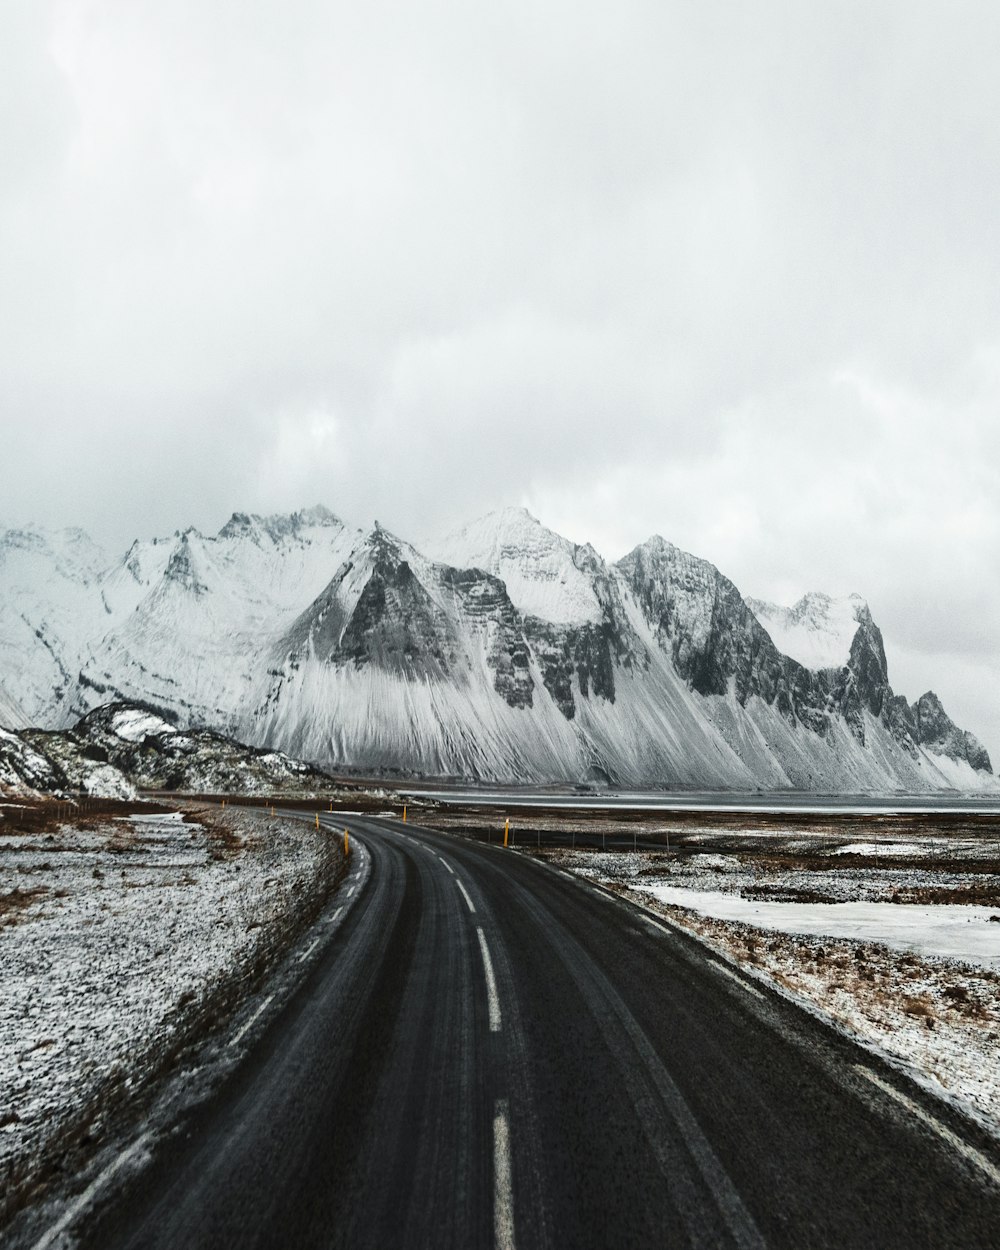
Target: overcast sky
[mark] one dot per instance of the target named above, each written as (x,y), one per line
(729,273)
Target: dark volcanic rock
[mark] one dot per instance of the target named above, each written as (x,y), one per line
(937,731)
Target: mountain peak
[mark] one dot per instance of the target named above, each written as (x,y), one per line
(817,630)
(542,570)
(279,524)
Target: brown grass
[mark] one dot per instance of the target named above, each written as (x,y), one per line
(15,903)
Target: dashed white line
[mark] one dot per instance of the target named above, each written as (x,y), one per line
(491,984)
(953,1140)
(309,950)
(74,1209)
(503,1196)
(336,915)
(252,1020)
(465,895)
(350,892)
(446,864)
(750,989)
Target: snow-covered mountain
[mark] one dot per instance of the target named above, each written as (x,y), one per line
(817,631)
(500,652)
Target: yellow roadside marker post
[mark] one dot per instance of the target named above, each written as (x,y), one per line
(506,830)
(404,813)
(317,820)
(347,843)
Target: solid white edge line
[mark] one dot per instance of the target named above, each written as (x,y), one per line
(253,1019)
(74,1209)
(503,1197)
(465,895)
(734,976)
(309,950)
(491,985)
(942,1130)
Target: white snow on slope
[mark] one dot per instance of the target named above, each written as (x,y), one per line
(195,615)
(133,725)
(12,715)
(817,631)
(50,607)
(956,931)
(540,569)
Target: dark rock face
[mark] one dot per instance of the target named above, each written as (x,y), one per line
(591,652)
(714,640)
(937,731)
(172,759)
(397,626)
(484,603)
(181,569)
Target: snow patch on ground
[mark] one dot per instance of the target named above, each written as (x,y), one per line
(959,932)
(891,849)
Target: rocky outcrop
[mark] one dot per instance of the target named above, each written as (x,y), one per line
(936,731)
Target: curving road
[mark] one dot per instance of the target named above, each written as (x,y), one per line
(486,1052)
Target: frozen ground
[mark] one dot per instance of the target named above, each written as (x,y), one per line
(871,934)
(120,941)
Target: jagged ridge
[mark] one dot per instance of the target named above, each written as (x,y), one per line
(513,655)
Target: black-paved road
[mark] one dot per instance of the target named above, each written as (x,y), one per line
(489,1053)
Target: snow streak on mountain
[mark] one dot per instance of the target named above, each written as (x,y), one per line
(501,652)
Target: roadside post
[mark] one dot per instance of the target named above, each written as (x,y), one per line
(347,844)
(404,813)
(506,830)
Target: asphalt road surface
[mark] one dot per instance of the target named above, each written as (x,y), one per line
(487,1052)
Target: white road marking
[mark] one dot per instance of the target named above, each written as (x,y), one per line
(309,950)
(465,895)
(750,989)
(491,984)
(252,1020)
(953,1140)
(446,864)
(350,892)
(336,915)
(74,1209)
(656,925)
(503,1197)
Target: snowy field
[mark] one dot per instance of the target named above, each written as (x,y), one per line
(966,933)
(120,942)
(895,941)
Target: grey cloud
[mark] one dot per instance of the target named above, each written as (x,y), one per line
(725,272)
